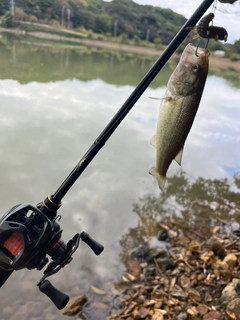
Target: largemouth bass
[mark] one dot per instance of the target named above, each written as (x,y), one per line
(178,109)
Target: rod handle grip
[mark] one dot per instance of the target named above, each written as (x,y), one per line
(59,298)
(96,247)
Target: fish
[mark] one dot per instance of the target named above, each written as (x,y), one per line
(178,109)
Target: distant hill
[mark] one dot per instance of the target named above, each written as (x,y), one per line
(118,17)
(124,20)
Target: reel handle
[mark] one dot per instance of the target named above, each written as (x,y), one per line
(59,298)
(5,273)
(96,247)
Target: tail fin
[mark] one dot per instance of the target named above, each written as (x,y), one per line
(161,179)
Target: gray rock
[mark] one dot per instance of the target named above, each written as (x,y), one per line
(166,263)
(230,293)
(162,235)
(182,316)
(234,306)
(177,292)
(149,271)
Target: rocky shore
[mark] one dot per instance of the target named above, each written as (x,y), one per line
(187,276)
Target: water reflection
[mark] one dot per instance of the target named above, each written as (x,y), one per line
(60,62)
(45,61)
(194,205)
(53,104)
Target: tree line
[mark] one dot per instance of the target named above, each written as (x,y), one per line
(116,17)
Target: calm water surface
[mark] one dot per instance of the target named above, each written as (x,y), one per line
(54,102)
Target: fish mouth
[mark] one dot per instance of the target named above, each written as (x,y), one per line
(199,52)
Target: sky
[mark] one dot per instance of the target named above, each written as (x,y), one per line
(230,21)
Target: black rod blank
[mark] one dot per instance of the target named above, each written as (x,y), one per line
(129,103)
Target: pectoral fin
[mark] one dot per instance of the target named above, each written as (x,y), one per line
(165,98)
(155,98)
(178,157)
(153,141)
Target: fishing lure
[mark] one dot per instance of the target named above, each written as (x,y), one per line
(227,1)
(210,32)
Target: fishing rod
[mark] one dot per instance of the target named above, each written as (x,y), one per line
(30,235)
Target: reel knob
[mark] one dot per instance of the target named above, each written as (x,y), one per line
(59,298)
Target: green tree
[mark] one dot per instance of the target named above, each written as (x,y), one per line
(237,46)
(103,23)
(123,37)
(100,16)
(4,6)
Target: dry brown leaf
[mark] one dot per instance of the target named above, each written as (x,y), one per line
(125,279)
(74,306)
(134,267)
(130,276)
(130,308)
(195,295)
(149,303)
(215,230)
(192,311)
(194,247)
(207,257)
(173,233)
(173,282)
(164,226)
(202,309)
(184,240)
(98,291)
(207,297)
(143,312)
(231,315)
(158,314)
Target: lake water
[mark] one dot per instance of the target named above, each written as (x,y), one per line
(54,102)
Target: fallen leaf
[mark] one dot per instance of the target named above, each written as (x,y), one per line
(130,276)
(74,306)
(125,279)
(143,312)
(98,291)
(194,247)
(192,311)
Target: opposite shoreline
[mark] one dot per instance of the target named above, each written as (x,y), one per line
(216,61)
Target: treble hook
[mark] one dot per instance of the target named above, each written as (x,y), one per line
(198,47)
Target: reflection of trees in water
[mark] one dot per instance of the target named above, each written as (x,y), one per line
(195,204)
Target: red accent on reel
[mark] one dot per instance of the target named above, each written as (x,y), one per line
(14,243)
(54,245)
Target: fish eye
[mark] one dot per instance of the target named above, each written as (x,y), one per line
(196,68)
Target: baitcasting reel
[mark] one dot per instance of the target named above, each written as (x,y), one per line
(27,237)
